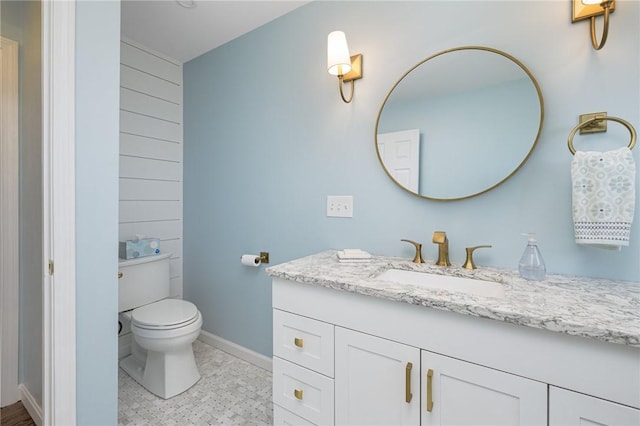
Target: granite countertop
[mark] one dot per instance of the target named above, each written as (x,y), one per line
(596,308)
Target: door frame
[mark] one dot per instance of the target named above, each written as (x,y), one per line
(9,226)
(59,242)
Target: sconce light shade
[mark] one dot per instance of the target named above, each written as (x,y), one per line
(338,58)
(339,63)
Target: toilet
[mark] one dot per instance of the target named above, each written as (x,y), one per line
(163,329)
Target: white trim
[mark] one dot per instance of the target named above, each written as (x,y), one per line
(59,297)
(30,404)
(9,226)
(236,350)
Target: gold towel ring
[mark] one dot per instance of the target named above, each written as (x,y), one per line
(626,124)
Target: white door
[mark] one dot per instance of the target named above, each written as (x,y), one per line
(461,393)
(400,153)
(568,408)
(376,381)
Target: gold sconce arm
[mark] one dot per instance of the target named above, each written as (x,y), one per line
(591,9)
(341,85)
(605,29)
(351,76)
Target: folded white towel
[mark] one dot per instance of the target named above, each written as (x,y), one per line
(354,260)
(353,254)
(603,197)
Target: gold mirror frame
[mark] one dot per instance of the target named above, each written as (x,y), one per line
(524,160)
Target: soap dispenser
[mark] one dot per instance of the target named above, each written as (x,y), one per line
(531,265)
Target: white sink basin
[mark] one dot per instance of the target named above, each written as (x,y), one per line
(444,282)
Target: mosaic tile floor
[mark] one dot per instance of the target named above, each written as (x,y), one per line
(230,392)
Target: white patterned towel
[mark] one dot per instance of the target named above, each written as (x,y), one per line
(603,197)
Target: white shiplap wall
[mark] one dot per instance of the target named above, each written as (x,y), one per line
(151,151)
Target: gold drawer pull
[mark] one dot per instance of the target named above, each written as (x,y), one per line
(407,383)
(298,342)
(298,394)
(429,390)
(119,274)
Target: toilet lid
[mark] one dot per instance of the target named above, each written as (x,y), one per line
(164,313)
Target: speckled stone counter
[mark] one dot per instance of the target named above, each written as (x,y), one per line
(595,308)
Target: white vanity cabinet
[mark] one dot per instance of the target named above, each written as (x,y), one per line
(377,381)
(354,371)
(460,393)
(567,408)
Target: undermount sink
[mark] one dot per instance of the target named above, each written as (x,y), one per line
(444,282)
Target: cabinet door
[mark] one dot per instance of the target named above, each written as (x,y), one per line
(460,393)
(568,408)
(377,381)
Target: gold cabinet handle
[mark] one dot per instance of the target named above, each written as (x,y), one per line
(298,394)
(120,274)
(407,383)
(298,342)
(429,390)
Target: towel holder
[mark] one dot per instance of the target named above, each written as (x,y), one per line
(626,124)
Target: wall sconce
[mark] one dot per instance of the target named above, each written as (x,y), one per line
(339,62)
(589,9)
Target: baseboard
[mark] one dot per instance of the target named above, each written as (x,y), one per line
(30,403)
(236,350)
(124,345)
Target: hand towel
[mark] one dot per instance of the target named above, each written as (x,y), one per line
(353,256)
(603,197)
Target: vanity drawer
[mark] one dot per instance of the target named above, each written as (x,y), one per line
(304,341)
(303,392)
(282,417)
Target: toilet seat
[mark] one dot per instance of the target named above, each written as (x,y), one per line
(166,314)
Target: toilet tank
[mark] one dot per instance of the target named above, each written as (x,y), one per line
(142,281)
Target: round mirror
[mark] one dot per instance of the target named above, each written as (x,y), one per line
(459,123)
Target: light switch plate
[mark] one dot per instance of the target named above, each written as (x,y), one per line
(340,206)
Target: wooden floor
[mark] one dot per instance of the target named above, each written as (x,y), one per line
(15,415)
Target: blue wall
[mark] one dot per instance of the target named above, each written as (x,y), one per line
(267,138)
(97,109)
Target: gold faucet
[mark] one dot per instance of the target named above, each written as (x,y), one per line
(440,238)
(418,256)
(468,264)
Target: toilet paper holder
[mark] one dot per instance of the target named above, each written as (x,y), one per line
(254,260)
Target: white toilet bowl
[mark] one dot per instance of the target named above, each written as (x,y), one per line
(162,354)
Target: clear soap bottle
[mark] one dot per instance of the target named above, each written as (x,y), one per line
(531,265)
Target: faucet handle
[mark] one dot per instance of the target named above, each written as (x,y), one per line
(439,237)
(418,256)
(468,264)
